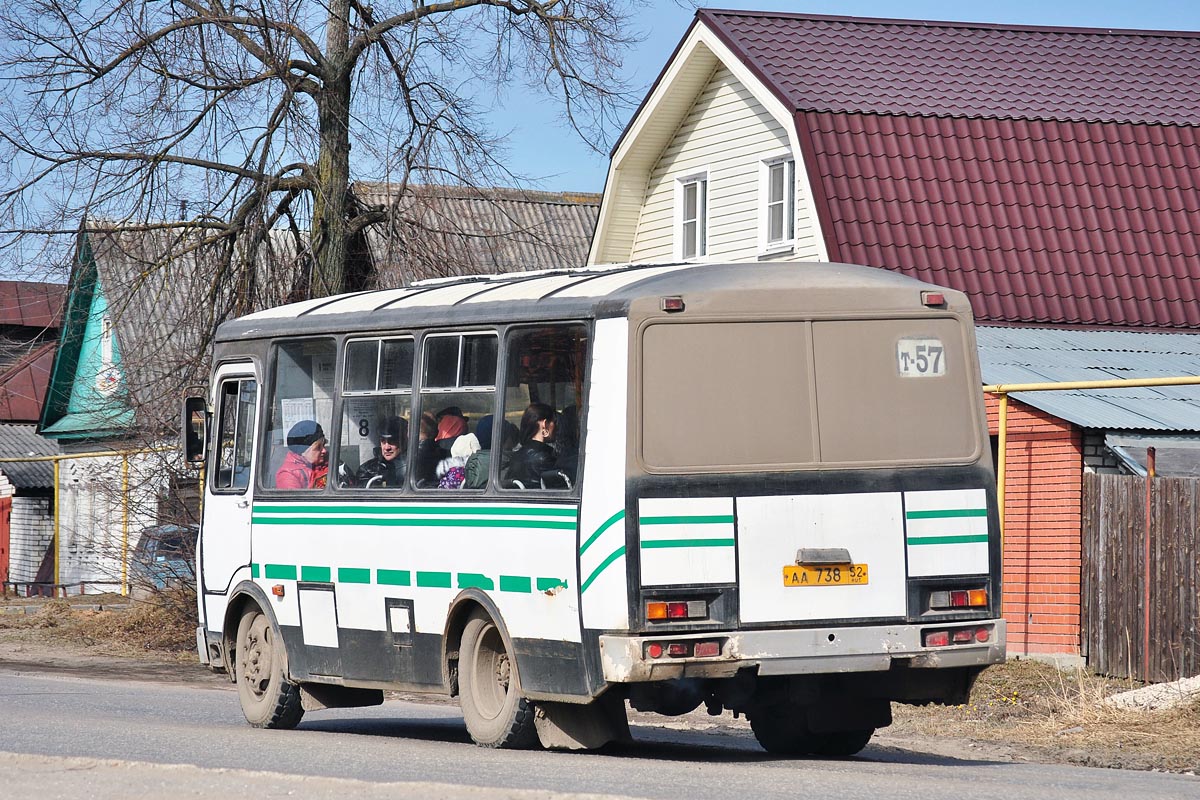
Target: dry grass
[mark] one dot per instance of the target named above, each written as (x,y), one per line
(1061,714)
(163,623)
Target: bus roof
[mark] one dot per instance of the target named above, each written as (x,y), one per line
(588,292)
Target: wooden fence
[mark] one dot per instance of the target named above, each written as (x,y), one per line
(1114,576)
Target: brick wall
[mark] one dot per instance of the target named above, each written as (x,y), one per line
(1042,529)
(32,532)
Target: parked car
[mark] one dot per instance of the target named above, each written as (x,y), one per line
(165,556)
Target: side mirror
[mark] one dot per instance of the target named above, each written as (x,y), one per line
(193,430)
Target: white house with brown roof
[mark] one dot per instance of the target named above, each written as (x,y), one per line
(1014,163)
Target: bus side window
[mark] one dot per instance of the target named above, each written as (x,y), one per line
(458,391)
(372,450)
(235,434)
(543,405)
(300,413)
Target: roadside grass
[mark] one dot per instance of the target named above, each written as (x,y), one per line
(1061,713)
(161,624)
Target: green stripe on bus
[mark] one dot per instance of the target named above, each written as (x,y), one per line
(516,583)
(964,539)
(613,520)
(469,580)
(946,513)
(546,584)
(498,511)
(655,544)
(434,580)
(282,572)
(316,574)
(393,577)
(353,575)
(254,570)
(620,551)
(688,520)
(420,523)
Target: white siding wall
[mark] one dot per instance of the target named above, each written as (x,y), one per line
(32,531)
(729,133)
(91,519)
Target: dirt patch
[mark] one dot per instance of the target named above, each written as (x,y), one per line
(1059,716)
(1023,710)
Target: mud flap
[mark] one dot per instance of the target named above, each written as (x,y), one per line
(571,726)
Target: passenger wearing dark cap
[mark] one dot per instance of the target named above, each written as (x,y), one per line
(306,465)
(389,468)
(479,463)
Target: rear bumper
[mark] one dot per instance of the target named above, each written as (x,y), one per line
(806,651)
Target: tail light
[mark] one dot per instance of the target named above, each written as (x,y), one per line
(958,598)
(657,610)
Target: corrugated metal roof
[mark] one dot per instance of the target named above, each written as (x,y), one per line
(890,66)
(1041,355)
(22,440)
(436,231)
(31,304)
(23,385)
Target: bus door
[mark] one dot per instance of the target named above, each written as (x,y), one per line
(225,542)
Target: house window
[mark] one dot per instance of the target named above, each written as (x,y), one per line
(693,217)
(779,223)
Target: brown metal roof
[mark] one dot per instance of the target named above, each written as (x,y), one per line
(23,385)
(30,304)
(1038,221)
(1050,173)
(816,63)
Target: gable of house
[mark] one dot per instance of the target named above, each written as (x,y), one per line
(1015,164)
(88,394)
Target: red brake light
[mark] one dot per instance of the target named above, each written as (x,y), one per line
(982,634)
(677,650)
(677,610)
(671,304)
(963,635)
(707,649)
(933,298)
(654,650)
(937,638)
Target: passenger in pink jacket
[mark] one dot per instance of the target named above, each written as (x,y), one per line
(306,465)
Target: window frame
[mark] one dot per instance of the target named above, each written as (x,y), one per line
(700,179)
(335,441)
(508,332)
(238,427)
(267,408)
(766,244)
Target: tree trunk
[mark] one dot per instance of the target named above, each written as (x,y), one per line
(330,223)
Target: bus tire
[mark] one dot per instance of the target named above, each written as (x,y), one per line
(842,743)
(268,698)
(782,733)
(490,690)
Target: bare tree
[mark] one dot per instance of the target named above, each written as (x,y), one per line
(225,122)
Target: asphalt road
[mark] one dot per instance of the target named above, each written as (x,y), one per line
(66,736)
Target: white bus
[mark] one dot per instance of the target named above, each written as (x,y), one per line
(766,488)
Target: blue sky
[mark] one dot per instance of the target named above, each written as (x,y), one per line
(568,165)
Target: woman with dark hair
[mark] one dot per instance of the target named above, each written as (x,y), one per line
(536,456)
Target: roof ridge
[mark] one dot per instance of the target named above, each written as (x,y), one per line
(924,23)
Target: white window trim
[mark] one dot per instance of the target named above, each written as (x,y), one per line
(680,182)
(787,244)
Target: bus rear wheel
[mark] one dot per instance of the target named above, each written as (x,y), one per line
(268,698)
(784,732)
(489,690)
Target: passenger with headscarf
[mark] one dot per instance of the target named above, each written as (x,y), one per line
(306,464)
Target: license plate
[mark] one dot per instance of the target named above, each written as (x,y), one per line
(826,575)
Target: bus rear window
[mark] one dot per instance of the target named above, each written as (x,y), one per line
(726,395)
(744,395)
(893,390)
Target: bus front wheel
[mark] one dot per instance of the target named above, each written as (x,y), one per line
(268,698)
(489,690)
